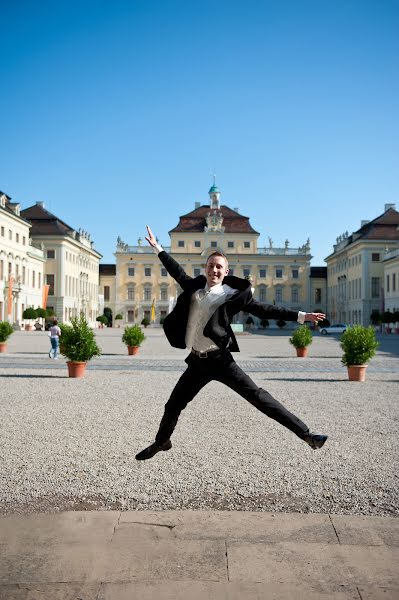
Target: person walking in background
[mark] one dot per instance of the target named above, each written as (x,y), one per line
(201,321)
(55,333)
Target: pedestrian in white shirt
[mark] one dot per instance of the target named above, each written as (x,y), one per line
(55,333)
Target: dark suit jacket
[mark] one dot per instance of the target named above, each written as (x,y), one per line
(218,328)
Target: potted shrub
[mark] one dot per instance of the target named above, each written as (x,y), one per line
(249,322)
(395,318)
(359,345)
(301,339)
(264,323)
(133,336)
(375,318)
(118,317)
(387,318)
(78,344)
(145,322)
(102,319)
(108,314)
(29,314)
(280,323)
(5,331)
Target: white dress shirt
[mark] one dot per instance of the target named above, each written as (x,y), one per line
(204,302)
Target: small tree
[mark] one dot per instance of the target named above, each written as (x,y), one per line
(145,322)
(29,314)
(41,313)
(102,319)
(108,314)
(302,337)
(133,335)
(324,323)
(359,345)
(281,323)
(264,323)
(5,331)
(50,312)
(249,321)
(387,318)
(77,341)
(375,317)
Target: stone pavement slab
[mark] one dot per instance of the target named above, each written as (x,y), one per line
(366,531)
(232,525)
(198,555)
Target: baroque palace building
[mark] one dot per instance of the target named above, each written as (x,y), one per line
(21,264)
(71,267)
(363,272)
(281,276)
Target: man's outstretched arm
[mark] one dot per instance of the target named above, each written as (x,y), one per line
(172,267)
(270,311)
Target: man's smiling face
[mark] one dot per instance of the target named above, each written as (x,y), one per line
(216,269)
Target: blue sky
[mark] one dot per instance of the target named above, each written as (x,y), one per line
(117,114)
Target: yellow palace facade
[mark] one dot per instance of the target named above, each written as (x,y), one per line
(138,285)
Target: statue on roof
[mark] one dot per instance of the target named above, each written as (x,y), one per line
(214,221)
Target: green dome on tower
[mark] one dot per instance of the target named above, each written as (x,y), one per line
(214,190)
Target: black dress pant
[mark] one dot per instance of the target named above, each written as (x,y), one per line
(222,367)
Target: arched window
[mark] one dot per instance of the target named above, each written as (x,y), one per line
(147,293)
(164,293)
(294,295)
(262,293)
(130,292)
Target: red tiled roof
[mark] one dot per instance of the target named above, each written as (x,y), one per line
(44,222)
(195,221)
(384,227)
(107,269)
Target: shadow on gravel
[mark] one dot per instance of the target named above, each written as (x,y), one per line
(293,356)
(307,379)
(56,376)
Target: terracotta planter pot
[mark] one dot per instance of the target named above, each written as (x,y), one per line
(302,352)
(3,347)
(76,369)
(132,350)
(357,373)
(28,327)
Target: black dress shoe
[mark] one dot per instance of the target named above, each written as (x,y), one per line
(315,440)
(153,450)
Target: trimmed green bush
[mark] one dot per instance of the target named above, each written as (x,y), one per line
(41,313)
(264,323)
(249,321)
(359,345)
(77,341)
(29,313)
(375,317)
(145,322)
(118,317)
(281,323)
(5,331)
(302,337)
(102,319)
(133,335)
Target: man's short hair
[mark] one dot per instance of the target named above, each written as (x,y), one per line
(217,253)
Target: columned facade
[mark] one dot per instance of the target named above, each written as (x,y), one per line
(279,275)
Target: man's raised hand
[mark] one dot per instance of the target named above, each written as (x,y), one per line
(151,238)
(315,317)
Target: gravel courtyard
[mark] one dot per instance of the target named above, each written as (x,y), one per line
(70,444)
